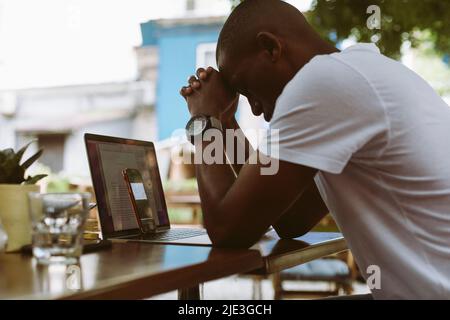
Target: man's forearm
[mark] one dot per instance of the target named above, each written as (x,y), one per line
(237,147)
(214,181)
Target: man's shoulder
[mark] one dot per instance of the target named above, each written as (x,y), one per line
(332,83)
(324,77)
(335,70)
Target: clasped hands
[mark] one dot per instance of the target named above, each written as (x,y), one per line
(208,94)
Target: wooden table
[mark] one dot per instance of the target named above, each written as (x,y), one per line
(279,254)
(126,271)
(139,270)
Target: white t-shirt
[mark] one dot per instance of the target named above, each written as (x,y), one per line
(380,137)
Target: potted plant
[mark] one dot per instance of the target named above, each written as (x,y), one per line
(14,188)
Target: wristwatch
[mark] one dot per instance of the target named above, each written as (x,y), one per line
(199,124)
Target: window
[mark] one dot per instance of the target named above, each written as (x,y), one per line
(190,5)
(206,55)
(53,145)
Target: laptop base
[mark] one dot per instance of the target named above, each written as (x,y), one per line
(177,236)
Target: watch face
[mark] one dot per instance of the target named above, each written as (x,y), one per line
(197,126)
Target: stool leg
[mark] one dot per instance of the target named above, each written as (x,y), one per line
(257,288)
(277,286)
(192,293)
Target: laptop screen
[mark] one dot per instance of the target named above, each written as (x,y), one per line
(108,157)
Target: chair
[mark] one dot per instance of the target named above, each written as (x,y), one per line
(181,190)
(337,271)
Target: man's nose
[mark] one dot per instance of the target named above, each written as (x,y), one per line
(256,108)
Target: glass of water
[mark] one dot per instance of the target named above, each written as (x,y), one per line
(58,221)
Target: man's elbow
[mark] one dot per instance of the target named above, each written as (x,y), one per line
(289,232)
(231,240)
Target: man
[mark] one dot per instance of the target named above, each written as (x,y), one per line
(363,130)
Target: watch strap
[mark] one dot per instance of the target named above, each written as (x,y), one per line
(215,123)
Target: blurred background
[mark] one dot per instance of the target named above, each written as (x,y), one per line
(115,67)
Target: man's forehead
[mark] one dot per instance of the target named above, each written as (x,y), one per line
(222,62)
(226,68)
(229,67)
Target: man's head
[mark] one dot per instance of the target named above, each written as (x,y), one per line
(261,47)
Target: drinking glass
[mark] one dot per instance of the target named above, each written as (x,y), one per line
(58,221)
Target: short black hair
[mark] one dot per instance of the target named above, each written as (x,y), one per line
(247,18)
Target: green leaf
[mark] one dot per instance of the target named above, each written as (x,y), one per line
(32,159)
(2,156)
(35,179)
(3,178)
(16,176)
(11,172)
(8,154)
(21,152)
(401,20)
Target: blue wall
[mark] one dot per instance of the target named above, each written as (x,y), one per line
(177,61)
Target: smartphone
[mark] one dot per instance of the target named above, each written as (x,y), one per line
(139,200)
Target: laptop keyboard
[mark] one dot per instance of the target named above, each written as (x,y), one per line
(174,234)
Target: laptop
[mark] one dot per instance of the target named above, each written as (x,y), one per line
(108,157)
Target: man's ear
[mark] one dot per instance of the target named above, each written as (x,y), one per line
(270,43)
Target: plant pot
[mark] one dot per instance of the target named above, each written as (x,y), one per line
(14,214)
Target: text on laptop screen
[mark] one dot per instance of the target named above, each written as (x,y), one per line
(108,160)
